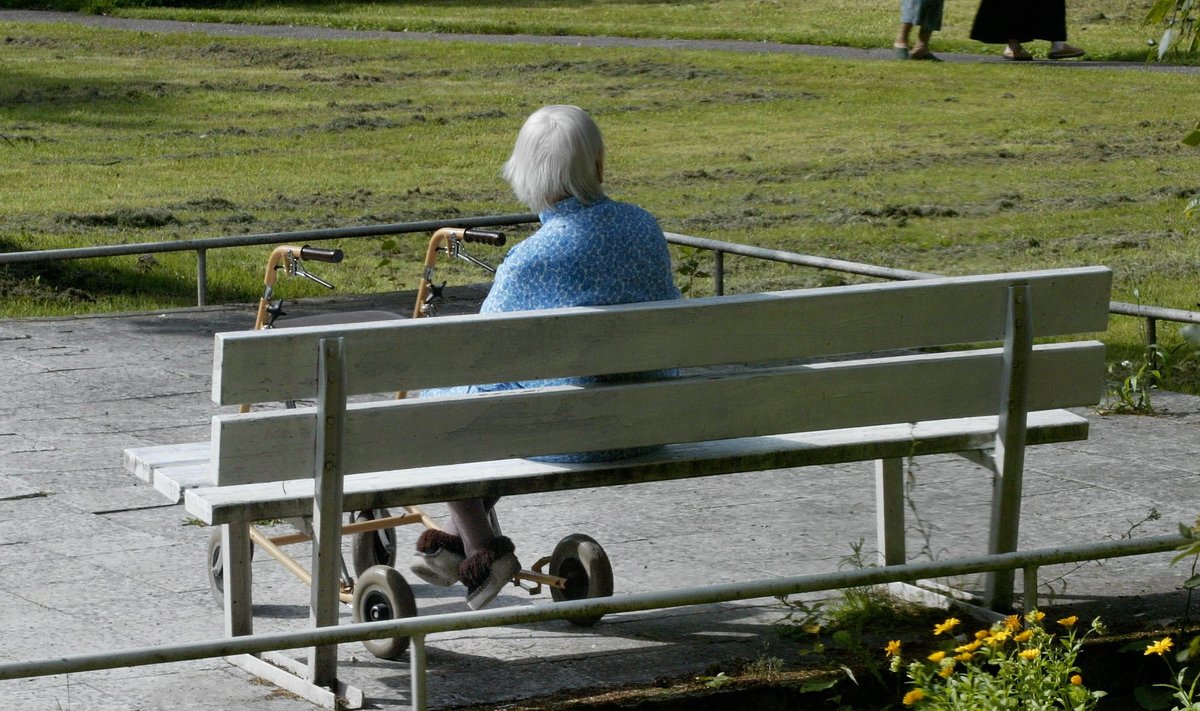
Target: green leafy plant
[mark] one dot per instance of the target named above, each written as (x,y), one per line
(1131,383)
(1180,693)
(1179,18)
(1017,663)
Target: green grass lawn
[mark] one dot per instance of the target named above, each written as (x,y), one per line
(116,137)
(1109,29)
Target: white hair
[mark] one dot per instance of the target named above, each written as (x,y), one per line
(557,155)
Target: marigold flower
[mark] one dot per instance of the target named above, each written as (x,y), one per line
(1029,654)
(1036,616)
(946,626)
(1012,622)
(1023,637)
(970,647)
(946,671)
(912,697)
(998,637)
(1068,622)
(982,634)
(964,657)
(1160,647)
(892,648)
(936,657)
(1077,680)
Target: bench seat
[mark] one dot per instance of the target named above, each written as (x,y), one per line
(285,499)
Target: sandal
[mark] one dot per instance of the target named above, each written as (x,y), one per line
(900,50)
(437,558)
(1021,55)
(487,572)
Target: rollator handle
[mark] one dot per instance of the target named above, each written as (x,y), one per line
(495,239)
(321,255)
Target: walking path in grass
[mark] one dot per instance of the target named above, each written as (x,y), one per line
(325,33)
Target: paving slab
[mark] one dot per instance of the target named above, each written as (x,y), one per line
(93,560)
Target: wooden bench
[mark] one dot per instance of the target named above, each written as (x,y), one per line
(766,381)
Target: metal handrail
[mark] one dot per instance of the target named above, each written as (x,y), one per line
(1152,314)
(418,627)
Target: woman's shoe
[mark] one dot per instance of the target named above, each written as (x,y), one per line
(1018,55)
(1065,51)
(437,558)
(487,572)
(900,50)
(922,52)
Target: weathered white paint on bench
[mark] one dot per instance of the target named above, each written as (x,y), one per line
(458,350)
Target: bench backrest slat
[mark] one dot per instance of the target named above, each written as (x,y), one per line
(279,365)
(276,445)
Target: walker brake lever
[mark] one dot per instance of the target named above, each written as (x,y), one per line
(300,271)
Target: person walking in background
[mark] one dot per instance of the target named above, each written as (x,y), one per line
(927,16)
(1013,22)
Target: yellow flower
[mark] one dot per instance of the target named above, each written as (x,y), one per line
(946,671)
(982,634)
(912,697)
(998,637)
(1029,654)
(964,657)
(968,648)
(1036,616)
(937,657)
(1023,637)
(892,648)
(1068,621)
(1160,647)
(946,626)
(1077,680)
(1012,622)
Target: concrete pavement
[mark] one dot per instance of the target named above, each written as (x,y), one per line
(93,560)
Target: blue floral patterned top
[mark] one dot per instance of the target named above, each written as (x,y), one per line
(607,252)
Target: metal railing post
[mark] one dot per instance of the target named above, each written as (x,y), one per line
(201,277)
(718,272)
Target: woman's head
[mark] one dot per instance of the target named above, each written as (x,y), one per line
(559,153)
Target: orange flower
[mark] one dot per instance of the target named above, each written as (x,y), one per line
(1012,622)
(912,697)
(1023,637)
(1077,680)
(1068,622)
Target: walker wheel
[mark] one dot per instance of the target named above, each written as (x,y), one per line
(588,572)
(216,567)
(372,548)
(381,593)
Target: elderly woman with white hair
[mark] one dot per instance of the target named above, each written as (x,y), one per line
(589,251)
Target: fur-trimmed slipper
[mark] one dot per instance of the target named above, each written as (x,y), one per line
(437,558)
(487,572)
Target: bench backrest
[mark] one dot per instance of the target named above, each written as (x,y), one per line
(875,319)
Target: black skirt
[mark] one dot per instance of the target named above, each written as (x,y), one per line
(998,21)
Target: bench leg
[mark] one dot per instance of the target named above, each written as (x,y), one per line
(327,507)
(235,548)
(889,510)
(1010,443)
